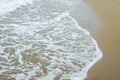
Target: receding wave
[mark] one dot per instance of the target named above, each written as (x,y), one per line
(41,41)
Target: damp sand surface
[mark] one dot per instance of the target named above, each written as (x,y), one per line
(108,38)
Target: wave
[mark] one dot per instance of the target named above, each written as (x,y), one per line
(42,41)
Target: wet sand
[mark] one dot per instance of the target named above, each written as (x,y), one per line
(108,38)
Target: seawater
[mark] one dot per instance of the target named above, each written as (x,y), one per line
(11,5)
(41,41)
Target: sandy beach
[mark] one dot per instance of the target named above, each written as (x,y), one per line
(33,40)
(108,38)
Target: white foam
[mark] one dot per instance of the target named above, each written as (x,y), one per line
(45,49)
(11,5)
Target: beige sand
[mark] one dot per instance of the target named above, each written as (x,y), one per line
(108,39)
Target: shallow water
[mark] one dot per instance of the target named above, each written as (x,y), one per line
(42,41)
(11,5)
(86,17)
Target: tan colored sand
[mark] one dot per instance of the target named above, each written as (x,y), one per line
(109,40)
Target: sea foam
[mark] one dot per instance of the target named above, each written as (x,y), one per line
(11,5)
(41,41)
